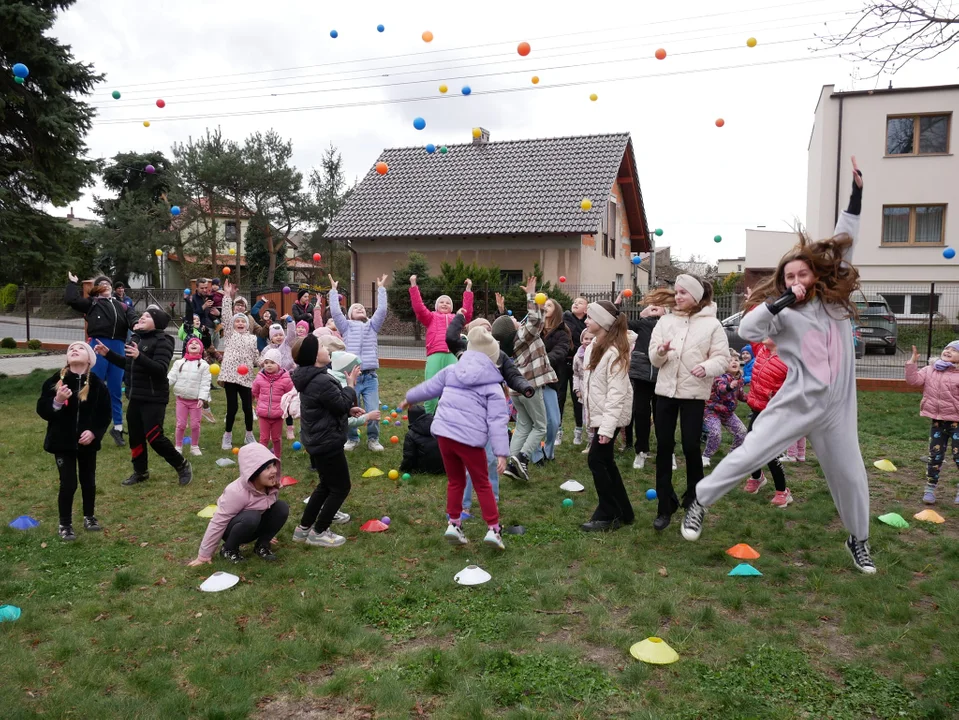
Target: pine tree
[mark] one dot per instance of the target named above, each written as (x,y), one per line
(258,255)
(42,131)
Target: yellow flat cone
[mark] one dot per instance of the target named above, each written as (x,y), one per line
(930,516)
(373,472)
(884,465)
(654,651)
(207,512)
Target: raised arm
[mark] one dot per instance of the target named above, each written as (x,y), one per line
(73,296)
(339,319)
(454,334)
(848,222)
(419,309)
(226,317)
(382,307)
(468,300)
(428,389)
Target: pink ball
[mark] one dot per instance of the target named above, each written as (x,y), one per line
(385,520)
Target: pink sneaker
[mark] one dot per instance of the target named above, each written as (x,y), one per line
(289,432)
(753,485)
(782,499)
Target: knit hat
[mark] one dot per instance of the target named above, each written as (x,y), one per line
(271,354)
(344,362)
(303,324)
(102,278)
(243,317)
(160,318)
(480,340)
(305,351)
(241,299)
(505,333)
(954,345)
(442,297)
(479,322)
(276,329)
(90,355)
(194,340)
(332,343)
(322,331)
(301,292)
(353,307)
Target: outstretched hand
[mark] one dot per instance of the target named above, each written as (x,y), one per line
(856,173)
(381,281)
(333,283)
(915,356)
(71,277)
(100,349)
(530,286)
(412,280)
(469,285)
(664,348)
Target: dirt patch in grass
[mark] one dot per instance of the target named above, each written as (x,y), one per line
(311,709)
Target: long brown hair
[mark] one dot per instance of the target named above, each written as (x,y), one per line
(556,321)
(666,297)
(614,337)
(836,280)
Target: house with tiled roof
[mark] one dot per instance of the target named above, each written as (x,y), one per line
(510,204)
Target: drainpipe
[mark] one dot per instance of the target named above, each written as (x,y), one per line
(354,265)
(838,161)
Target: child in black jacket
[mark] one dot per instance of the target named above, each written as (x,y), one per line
(421,451)
(76,405)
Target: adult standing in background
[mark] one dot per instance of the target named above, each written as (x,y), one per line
(121,294)
(302,309)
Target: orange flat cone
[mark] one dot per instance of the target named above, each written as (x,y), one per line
(374,526)
(742,552)
(930,516)
(287,481)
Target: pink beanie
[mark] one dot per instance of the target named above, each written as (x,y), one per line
(305,324)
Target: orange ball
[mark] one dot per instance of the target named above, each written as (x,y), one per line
(236,451)
(535,79)
(427,36)
(394,439)
(382,168)
(660,54)
(226,271)
(523,49)
(627,293)
(720,122)
(393,414)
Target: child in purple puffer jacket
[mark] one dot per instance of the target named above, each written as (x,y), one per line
(721,409)
(470,391)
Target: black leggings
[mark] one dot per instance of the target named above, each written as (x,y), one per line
(256,524)
(689,413)
(80,465)
(644,406)
(289,420)
(775,467)
(566,385)
(330,492)
(246,397)
(145,425)
(613,499)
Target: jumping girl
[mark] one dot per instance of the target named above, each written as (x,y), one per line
(239,352)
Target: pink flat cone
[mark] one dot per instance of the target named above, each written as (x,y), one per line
(374,526)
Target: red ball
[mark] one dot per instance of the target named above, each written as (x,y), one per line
(382,168)
(562,278)
(243,370)
(161,103)
(226,271)
(627,293)
(523,49)
(317,257)
(720,122)
(660,54)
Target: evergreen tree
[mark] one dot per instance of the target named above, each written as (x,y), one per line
(42,131)
(258,255)
(399,290)
(328,194)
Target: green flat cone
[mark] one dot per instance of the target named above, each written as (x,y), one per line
(745,570)
(894,519)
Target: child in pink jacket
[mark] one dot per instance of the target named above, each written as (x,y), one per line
(249,509)
(438,355)
(271,384)
(940,403)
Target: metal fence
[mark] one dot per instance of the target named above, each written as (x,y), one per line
(892,317)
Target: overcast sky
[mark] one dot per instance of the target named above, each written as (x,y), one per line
(213,61)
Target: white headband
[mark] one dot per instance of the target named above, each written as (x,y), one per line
(692,286)
(600,315)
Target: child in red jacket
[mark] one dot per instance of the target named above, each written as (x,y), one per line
(272,383)
(769,374)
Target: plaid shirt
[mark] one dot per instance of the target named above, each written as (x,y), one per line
(529,350)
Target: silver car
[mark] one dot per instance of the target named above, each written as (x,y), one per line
(877,323)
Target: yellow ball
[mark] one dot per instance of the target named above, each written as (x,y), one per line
(477,132)
(443,88)
(393,475)
(146,123)
(214,369)
(594,97)
(535,79)
(751,42)
(232,251)
(540,298)
(158,252)
(587,204)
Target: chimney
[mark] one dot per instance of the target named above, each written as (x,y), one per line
(483,138)
(70,214)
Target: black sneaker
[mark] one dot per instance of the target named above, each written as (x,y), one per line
(233,556)
(264,552)
(117,436)
(693,521)
(859,550)
(136,478)
(520,465)
(66,533)
(91,524)
(512,470)
(662,522)
(185,473)
(601,525)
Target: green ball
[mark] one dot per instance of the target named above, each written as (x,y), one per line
(18,80)
(443,150)
(718,238)
(568,502)
(406,476)
(116,94)
(659,232)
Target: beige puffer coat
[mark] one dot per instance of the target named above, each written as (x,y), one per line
(607,393)
(694,340)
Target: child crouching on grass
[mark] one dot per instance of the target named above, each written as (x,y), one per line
(471,412)
(248,510)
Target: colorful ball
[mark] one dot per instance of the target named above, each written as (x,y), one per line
(243,370)
(174,211)
(393,414)
(567,502)
(161,103)
(540,298)
(20,70)
(562,278)
(297,445)
(116,94)
(751,42)
(146,123)
(627,293)
(949,253)
(214,369)
(158,252)
(406,417)
(477,132)
(419,123)
(393,474)
(232,251)
(720,122)
(382,168)
(594,97)
(718,238)
(286,290)
(443,150)
(236,451)
(636,260)
(407,476)
(535,79)
(380,28)
(443,88)
(385,421)
(427,36)
(651,494)
(186,292)
(18,80)
(430,148)
(187,440)
(334,34)
(394,439)
(510,313)
(385,520)
(149,169)
(660,54)
(385,407)
(523,49)
(226,271)
(466,90)
(317,257)
(586,204)
(398,423)
(659,232)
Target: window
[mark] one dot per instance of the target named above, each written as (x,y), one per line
(897,303)
(512,278)
(609,230)
(739,268)
(913,224)
(229,230)
(619,281)
(919,304)
(917,134)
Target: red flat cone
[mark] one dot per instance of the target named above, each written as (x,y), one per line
(287,481)
(374,526)
(742,552)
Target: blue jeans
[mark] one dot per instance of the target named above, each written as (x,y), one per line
(551,400)
(493,479)
(368,395)
(112,376)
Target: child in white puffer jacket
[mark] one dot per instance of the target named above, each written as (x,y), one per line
(190,380)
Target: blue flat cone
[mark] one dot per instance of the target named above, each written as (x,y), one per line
(24,522)
(745,570)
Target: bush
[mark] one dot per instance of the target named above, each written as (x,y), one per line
(35,344)
(8,297)
(8,343)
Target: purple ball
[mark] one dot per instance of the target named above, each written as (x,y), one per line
(286,290)
(399,423)
(385,520)
(149,169)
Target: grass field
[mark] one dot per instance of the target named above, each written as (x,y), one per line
(114,626)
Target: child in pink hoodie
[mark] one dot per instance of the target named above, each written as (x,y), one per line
(249,509)
(438,355)
(271,384)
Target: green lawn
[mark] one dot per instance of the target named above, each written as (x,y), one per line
(114,626)
(17,351)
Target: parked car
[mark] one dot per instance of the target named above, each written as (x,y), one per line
(858,346)
(877,323)
(731,326)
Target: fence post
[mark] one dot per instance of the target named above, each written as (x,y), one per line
(612,291)
(26,305)
(486,299)
(932,294)
(372,297)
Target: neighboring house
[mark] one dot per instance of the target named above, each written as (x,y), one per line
(764,248)
(902,140)
(510,204)
(728,266)
(666,272)
(76,222)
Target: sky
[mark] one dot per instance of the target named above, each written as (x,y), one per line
(248,66)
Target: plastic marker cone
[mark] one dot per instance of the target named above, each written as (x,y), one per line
(745,570)
(374,526)
(930,516)
(894,519)
(472,575)
(373,472)
(884,465)
(9,613)
(219,581)
(742,552)
(224,462)
(207,512)
(286,481)
(24,522)
(654,651)
(572,486)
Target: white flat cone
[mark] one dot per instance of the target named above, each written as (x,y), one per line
(219,581)
(472,575)
(224,462)
(572,486)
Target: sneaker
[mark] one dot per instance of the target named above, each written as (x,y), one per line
(117,436)
(136,478)
(66,533)
(706,461)
(753,485)
(374,446)
(929,494)
(248,439)
(300,533)
(327,538)
(559,439)
(494,538)
(264,552)
(521,465)
(800,458)
(185,473)
(782,499)
(692,526)
(289,432)
(586,449)
(674,461)
(454,535)
(91,524)
(859,550)
(512,470)
(787,458)
(207,415)
(233,556)
(639,462)
(351,445)
(227,443)
(341,518)
(578,436)
(195,450)
(178,448)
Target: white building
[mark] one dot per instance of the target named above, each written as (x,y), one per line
(728,266)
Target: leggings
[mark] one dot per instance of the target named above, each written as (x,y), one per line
(713,424)
(259,525)
(82,466)
(330,492)
(775,467)
(689,413)
(246,397)
(187,413)
(271,429)
(644,408)
(458,459)
(566,385)
(939,435)
(613,499)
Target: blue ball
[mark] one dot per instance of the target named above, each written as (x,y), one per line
(466,90)
(187,440)
(431,148)
(385,407)
(419,123)
(949,253)
(20,70)
(509,312)
(175,210)
(636,260)
(297,445)
(650,494)
(334,34)
(187,292)
(380,28)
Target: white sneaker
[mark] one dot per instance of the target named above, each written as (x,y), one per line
(706,462)
(786,458)
(578,436)
(559,439)
(327,538)
(178,448)
(227,443)
(374,446)
(195,450)
(494,538)
(586,449)
(674,462)
(248,439)
(254,416)
(639,462)
(341,518)
(351,445)
(455,536)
